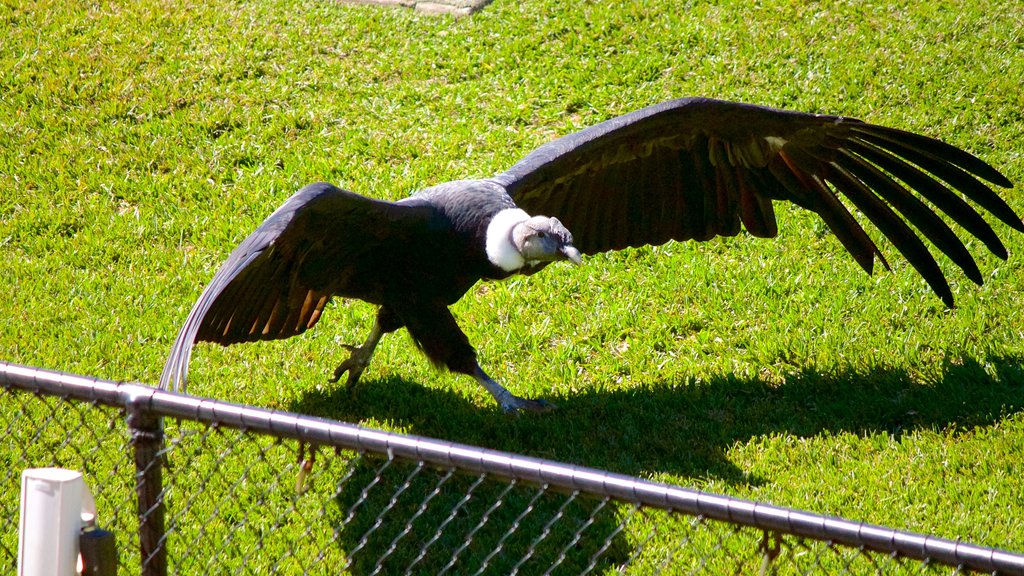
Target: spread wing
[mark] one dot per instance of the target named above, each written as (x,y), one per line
(698,168)
(276,283)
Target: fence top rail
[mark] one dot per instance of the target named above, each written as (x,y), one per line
(139,399)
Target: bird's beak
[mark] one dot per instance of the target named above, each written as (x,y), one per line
(572,254)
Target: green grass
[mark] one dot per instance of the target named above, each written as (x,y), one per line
(140,142)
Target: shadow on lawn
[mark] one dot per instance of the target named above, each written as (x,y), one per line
(682,428)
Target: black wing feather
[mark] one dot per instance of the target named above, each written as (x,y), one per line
(812,193)
(894,228)
(914,210)
(951,172)
(276,283)
(698,168)
(934,192)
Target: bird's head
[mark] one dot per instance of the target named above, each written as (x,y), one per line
(544,239)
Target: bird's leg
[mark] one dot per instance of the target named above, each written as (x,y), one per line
(360,356)
(510,403)
(438,335)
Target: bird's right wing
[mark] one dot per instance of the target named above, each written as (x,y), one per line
(698,168)
(276,283)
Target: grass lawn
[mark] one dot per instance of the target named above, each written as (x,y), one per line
(141,141)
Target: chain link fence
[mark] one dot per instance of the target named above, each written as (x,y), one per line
(195,486)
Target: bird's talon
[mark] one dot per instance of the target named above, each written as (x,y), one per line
(338,372)
(517,406)
(354,365)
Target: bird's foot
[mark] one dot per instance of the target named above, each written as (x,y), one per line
(507,401)
(516,405)
(357,361)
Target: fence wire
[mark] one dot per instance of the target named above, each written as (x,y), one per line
(229,503)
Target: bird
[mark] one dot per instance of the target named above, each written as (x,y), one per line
(684,169)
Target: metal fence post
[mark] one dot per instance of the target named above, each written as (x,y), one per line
(147,438)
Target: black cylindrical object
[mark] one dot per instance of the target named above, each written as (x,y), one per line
(99,552)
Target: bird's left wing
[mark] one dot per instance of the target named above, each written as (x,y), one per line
(698,168)
(276,283)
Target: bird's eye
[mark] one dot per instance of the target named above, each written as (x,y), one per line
(541,234)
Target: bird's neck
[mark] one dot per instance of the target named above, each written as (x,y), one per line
(501,248)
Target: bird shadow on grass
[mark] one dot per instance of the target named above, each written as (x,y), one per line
(683,428)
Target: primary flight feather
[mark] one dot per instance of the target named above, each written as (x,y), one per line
(688,169)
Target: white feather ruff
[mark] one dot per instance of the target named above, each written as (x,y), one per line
(500,249)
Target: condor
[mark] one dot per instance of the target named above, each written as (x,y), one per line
(688,169)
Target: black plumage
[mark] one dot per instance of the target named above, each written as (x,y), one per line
(688,169)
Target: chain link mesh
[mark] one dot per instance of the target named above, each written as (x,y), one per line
(39,431)
(232,506)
